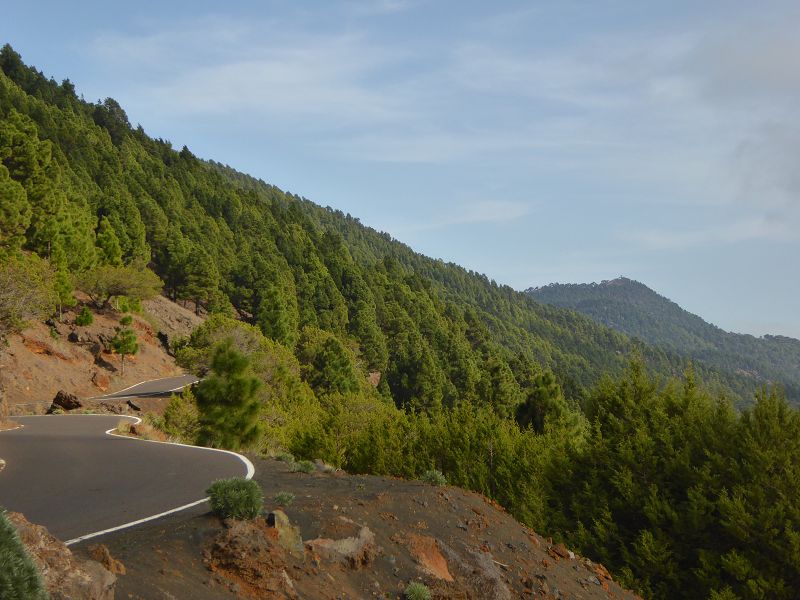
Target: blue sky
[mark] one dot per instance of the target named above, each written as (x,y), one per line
(532,141)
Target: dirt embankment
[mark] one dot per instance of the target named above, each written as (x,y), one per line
(351,537)
(61,355)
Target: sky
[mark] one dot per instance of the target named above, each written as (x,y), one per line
(535,142)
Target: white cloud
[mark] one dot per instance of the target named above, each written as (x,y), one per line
(671,112)
(208,68)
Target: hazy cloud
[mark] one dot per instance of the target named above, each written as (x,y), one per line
(483,212)
(755,228)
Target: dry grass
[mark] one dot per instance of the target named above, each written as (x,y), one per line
(142,430)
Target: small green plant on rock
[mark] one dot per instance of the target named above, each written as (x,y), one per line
(18,575)
(434,477)
(284,498)
(236,498)
(84,318)
(417,591)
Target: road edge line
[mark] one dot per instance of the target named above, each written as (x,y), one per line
(251,470)
(140,383)
(89,536)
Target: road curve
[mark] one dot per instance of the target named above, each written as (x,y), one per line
(66,473)
(154,387)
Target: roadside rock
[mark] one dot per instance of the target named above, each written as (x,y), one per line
(288,534)
(65,576)
(248,557)
(101,554)
(65,401)
(355,552)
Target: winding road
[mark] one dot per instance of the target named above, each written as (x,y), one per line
(152,388)
(67,473)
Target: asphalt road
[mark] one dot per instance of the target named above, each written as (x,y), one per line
(64,472)
(155,387)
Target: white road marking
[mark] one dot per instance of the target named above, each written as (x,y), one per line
(251,470)
(130,387)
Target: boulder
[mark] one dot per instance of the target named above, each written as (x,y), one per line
(64,401)
(66,577)
(288,534)
(354,552)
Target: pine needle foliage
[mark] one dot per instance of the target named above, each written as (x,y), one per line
(227,401)
(19,577)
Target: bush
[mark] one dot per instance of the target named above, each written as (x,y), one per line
(84,318)
(19,577)
(417,591)
(286,457)
(434,477)
(236,498)
(304,466)
(181,420)
(283,498)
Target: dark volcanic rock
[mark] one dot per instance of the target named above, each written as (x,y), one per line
(65,401)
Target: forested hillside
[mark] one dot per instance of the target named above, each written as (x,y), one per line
(327,339)
(632,308)
(85,183)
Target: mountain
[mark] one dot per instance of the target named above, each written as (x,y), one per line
(634,309)
(88,188)
(329,340)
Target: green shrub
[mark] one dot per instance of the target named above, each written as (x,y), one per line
(284,498)
(84,318)
(19,577)
(181,420)
(286,457)
(236,498)
(303,466)
(434,477)
(417,591)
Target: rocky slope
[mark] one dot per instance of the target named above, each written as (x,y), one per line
(352,537)
(60,355)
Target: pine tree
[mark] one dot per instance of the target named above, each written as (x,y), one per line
(63,280)
(110,251)
(544,401)
(125,342)
(15,212)
(227,400)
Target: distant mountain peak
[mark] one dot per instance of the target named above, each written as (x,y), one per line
(633,308)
